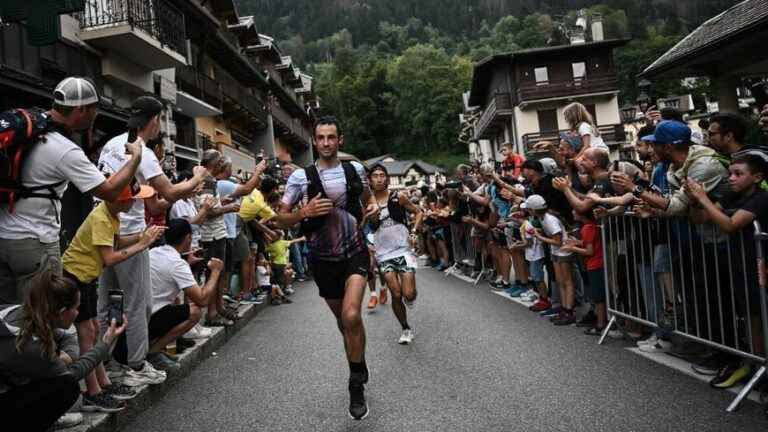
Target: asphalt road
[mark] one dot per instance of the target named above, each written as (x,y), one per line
(479,363)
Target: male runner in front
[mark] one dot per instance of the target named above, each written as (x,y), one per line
(396,260)
(338,253)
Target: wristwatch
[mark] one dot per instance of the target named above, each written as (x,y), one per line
(638,190)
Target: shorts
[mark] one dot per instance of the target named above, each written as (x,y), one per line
(166,318)
(331,276)
(563,259)
(215,249)
(595,289)
(400,264)
(237,252)
(89,296)
(278,274)
(536,270)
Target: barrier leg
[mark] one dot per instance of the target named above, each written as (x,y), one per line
(607,329)
(746,390)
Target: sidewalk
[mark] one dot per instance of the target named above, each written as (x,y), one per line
(148,395)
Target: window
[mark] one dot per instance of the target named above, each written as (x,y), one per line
(591,109)
(542,75)
(547,120)
(579,71)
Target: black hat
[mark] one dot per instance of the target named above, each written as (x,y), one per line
(176,230)
(143,110)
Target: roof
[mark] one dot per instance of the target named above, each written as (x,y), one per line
(485,67)
(401,168)
(720,30)
(373,161)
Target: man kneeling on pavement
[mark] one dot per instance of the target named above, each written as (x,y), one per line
(170,275)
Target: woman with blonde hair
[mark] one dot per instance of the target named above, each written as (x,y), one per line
(582,123)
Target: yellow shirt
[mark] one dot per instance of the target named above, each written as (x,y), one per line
(82,258)
(278,252)
(253,206)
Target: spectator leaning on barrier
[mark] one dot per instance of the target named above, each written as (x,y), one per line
(40,365)
(92,249)
(132,275)
(29,235)
(671,143)
(170,274)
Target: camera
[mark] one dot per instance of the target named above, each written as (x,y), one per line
(115,307)
(453,185)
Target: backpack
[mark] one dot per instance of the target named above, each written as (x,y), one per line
(315,186)
(20,130)
(396,212)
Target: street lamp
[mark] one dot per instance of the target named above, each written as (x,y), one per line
(628,113)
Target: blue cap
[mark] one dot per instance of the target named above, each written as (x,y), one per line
(670,132)
(573,140)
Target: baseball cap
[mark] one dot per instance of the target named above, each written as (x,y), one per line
(534,202)
(670,132)
(75,92)
(549,165)
(136,191)
(142,111)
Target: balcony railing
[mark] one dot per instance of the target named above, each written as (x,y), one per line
(500,104)
(611,134)
(157,18)
(577,86)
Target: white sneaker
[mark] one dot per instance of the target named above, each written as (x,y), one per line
(661,346)
(115,371)
(68,420)
(198,332)
(529,296)
(147,375)
(615,334)
(406,337)
(650,341)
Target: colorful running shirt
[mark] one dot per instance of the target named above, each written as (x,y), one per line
(340,237)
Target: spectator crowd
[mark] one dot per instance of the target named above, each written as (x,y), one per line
(163,257)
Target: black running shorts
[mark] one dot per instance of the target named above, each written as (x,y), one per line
(331,276)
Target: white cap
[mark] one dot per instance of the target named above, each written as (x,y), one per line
(75,92)
(534,202)
(549,165)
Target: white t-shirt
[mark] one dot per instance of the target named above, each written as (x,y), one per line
(551,226)
(113,158)
(594,140)
(262,276)
(57,159)
(185,209)
(169,275)
(535,249)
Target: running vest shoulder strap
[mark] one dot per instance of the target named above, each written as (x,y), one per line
(354,186)
(354,190)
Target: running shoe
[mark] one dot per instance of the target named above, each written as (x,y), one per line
(529,296)
(554,310)
(68,420)
(120,391)
(650,341)
(373,301)
(709,366)
(161,362)
(565,319)
(516,293)
(660,346)
(358,408)
(406,337)
(146,376)
(540,305)
(198,332)
(250,299)
(101,402)
(730,375)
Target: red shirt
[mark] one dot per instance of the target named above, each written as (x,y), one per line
(515,161)
(590,235)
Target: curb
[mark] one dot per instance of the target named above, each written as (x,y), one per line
(149,395)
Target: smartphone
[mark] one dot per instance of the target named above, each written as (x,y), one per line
(115,307)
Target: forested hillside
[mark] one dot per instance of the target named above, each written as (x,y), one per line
(394,70)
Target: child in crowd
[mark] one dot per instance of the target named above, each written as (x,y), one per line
(554,234)
(534,257)
(591,248)
(278,252)
(263,273)
(93,248)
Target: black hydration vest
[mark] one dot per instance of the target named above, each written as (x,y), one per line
(315,186)
(396,211)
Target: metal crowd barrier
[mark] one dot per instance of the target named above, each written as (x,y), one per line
(717,296)
(464,254)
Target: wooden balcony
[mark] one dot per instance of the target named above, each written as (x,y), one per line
(613,135)
(582,86)
(291,128)
(498,110)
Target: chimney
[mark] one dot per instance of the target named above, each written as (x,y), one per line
(597,28)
